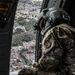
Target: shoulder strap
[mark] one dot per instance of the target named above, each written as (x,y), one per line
(61,68)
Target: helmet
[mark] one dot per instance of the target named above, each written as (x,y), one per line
(57,16)
(52,17)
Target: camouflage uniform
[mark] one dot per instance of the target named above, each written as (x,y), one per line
(58,49)
(56,41)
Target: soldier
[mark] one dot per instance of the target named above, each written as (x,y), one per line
(57,44)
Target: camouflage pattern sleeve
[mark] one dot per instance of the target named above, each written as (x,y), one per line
(54,39)
(51,50)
